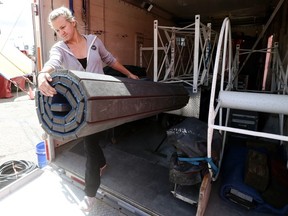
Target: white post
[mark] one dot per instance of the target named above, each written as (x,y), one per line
(196,53)
(155,51)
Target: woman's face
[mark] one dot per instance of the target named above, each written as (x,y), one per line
(64,29)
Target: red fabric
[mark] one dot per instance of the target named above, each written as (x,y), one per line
(20,82)
(5,88)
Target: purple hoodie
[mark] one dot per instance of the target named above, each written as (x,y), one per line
(62,58)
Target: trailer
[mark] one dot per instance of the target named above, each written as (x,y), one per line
(192,76)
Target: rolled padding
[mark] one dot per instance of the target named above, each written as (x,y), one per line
(259,102)
(88,103)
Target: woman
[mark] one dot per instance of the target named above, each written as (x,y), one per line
(82,53)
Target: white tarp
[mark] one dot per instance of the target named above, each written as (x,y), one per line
(13,63)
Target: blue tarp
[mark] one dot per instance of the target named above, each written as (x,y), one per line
(233,170)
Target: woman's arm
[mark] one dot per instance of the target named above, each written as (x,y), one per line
(111,61)
(119,67)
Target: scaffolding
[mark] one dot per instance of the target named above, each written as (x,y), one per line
(279,75)
(181,54)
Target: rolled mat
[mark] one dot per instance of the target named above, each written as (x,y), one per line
(234,190)
(87,103)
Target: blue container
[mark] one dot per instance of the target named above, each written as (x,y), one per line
(41,154)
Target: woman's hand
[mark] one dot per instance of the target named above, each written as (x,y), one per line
(43,84)
(133,76)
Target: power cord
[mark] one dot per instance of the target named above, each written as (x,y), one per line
(14,169)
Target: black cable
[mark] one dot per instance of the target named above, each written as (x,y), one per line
(15,169)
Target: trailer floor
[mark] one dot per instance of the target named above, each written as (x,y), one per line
(138,171)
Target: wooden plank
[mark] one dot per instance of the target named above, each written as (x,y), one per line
(204,195)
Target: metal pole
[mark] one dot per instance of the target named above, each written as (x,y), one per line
(155,51)
(196,53)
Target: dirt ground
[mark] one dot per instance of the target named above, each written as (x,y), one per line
(19,128)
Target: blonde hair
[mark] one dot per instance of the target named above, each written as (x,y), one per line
(61,11)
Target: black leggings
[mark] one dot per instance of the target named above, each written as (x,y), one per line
(95,159)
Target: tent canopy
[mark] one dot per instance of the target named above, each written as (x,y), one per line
(13,63)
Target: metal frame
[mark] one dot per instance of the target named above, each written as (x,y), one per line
(230,99)
(279,75)
(181,54)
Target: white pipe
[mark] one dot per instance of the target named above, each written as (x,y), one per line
(259,102)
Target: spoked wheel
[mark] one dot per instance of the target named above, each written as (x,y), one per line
(223,62)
